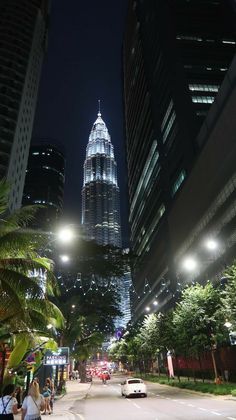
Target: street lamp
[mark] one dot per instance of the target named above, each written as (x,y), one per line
(211,244)
(64,258)
(147,309)
(65,235)
(189,264)
(155,303)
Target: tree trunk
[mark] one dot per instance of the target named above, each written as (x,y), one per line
(214,363)
(81,367)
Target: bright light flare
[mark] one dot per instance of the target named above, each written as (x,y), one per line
(155,303)
(211,244)
(64,258)
(65,235)
(147,309)
(189,264)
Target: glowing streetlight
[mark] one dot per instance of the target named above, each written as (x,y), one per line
(64,258)
(211,244)
(147,309)
(189,264)
(65,235)
(155,303)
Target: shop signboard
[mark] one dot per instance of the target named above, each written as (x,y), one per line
(57,358)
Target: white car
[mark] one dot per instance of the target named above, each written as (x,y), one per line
(133,387)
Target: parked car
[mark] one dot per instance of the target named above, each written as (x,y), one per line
(133,387)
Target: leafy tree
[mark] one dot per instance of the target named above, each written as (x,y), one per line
(88,320)
(24,303)
(198,320)
(91,259)
(229,295)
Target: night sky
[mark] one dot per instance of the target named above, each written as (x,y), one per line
(83,64)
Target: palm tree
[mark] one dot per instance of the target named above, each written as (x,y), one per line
(26,280)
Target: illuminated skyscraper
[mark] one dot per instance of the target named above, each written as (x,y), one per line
(101,203)
(100,193)
(23,34)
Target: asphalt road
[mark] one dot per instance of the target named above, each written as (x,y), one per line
(104,402)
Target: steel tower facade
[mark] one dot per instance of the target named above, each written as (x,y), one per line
(100,192)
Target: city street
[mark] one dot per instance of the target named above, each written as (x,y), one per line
(104,402)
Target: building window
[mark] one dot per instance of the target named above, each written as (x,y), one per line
(178,182)
(203,88)
(203,99)
(169,126)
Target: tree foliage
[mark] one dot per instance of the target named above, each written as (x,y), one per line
(25,308)
(199,320)
(229,295)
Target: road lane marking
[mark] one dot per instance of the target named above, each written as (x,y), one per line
(231,418)
(203,409)
(190,405)
(136,405)
(77,414)
(217,414)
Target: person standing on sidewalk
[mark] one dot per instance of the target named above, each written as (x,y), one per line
(8,403)
(33,403)
(50,385)
(47,396)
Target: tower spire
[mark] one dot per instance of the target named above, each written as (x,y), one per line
(99,110)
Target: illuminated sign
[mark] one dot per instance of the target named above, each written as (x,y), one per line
(59,357)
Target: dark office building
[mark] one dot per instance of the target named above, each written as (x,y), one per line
(44,184)
(176,56)
(23,34)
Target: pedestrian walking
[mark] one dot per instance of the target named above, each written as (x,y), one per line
(8,403)
(47,396)
(33,403)
(50,385)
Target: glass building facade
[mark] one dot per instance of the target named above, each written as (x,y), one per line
(101,205)
(44,184)
(23,35)
(176,55)
(100,193)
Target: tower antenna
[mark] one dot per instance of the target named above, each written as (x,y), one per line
(99,109)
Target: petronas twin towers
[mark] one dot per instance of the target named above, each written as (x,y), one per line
(100,193)
(101,204)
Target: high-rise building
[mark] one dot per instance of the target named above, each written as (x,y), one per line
(101,204)
(44,184)
(23,33)
(100,193)
(176,56)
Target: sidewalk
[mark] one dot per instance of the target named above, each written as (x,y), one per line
(63,406)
